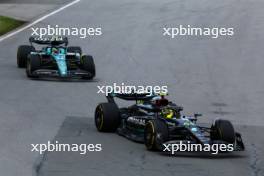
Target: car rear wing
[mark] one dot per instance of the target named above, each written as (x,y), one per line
(54,40)
(129,97)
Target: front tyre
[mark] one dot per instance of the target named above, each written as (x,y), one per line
(87,64)
(33,64)
(223,130)
(155,134)
(22,55)
(107,117)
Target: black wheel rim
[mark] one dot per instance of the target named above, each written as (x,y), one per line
(149,136)
(99,119)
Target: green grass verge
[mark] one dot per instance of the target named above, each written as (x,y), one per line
(7,24)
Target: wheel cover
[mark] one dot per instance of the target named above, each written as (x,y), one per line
(149,135)
(99,118)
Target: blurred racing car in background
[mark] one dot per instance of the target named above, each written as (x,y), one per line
(54,59)
(156,121)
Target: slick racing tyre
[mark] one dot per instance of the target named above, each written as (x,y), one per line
(22,54)
(155,134)
(107,117)
(87,63)
(223,130)
(74,49)
(33,63)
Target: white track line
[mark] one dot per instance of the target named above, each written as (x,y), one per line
(37,21)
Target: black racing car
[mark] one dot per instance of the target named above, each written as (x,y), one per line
(54,59)
(155,121)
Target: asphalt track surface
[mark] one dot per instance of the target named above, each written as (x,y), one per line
(218,77)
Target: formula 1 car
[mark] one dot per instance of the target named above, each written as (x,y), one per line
(156,121)
(54,59)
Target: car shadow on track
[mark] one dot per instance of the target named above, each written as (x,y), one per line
(65,80)
(116,150)
(22,75)
(206,155)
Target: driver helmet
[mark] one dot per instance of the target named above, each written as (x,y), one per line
(167,113)
(55,50)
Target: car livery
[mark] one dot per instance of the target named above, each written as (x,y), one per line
(155,121)
(54,59)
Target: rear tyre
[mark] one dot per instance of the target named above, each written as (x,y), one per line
(33,63)
(87,63)
(74,49)
(223,130)
(107,117)
(22,54)
(155,134)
